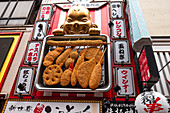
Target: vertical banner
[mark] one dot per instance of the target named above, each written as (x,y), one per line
(118,28)
(116,10)
(33,52)
(125,79)
(45,12)
(121,52)
(24,81)
(40,30)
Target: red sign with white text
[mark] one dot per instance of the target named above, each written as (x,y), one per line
(144,68)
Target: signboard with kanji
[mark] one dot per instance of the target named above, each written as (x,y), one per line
(121,52)
(148,67)
(52,106)
(33,52)
(125,79)
(116,10)
(45,12)
(24,81)
(40,30)
(118,28)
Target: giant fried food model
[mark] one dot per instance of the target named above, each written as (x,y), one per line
(78,21)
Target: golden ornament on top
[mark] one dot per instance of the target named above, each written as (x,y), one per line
(78,21)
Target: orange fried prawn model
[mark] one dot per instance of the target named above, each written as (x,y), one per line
(78,21)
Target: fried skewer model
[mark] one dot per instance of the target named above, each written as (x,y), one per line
(96,74)
(73,56)
(50,57)
(66,76)
(62,58)
(74,74)
(76,43)
(84,71)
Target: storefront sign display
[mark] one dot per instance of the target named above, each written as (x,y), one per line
(33,52)
(116,10)
(52,106)
(125,79)
(45,12)
(40,30)
(118,28)
(148,66)
(24,81)
(121,52)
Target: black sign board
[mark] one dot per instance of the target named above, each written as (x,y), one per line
(118,107)
(148,67)
(5,44)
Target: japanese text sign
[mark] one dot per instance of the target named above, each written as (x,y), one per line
(52,107)
(40,30)
(45,12)
(25,80)
(148,67)
(118,28)
(125,79)
(121,52)
(116,10)
(92,5)
(33,52)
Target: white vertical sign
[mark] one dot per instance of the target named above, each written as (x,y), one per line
(124,78)
(45,12)
(25,79)
(40,30)
(116,10)
(121,52)
(118,28)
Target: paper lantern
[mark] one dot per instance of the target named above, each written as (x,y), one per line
(151,102)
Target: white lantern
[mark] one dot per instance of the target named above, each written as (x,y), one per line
(151,102)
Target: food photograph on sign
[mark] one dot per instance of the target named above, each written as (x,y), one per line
(121,52)
(40,30)
(33,52)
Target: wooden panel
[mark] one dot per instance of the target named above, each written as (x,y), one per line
(25,6)
(10,8)
(2,6)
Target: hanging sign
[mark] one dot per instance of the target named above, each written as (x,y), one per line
(40,30)
(45,12)
(52,106)
(125,79)
(93,5)
(121,52)
(151,102)
(118,28)
(33,52)
(24,81)
(116,10)
(148,67)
